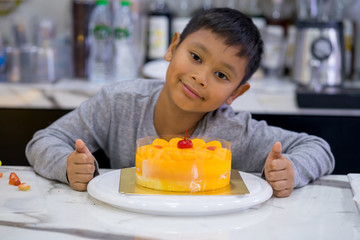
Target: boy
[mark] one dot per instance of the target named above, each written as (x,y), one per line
(210,63)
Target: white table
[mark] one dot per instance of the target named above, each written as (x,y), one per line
(321,210)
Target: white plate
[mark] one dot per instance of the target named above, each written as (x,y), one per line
(354,179)
(105,188)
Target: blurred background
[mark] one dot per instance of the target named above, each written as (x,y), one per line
(44,41)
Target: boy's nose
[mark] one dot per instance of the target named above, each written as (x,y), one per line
(199,80)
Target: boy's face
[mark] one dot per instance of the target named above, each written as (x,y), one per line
(204,72)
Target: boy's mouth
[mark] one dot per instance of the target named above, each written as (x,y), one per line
(190,92)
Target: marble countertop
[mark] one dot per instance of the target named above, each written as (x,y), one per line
(266,96)
(277,96)
(65,94)
(323,209)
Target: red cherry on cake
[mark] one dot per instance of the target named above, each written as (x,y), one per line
(186,143)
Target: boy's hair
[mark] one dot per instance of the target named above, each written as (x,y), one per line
(236,28)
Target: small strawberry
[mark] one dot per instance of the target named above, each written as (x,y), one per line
(24,187)
(14,181)
(13,175)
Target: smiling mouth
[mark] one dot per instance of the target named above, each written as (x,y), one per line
(191,93)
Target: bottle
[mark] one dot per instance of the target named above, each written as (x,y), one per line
(290,50)
(101,47)
(81,12)
(159,27)
(351,13)
(278,12)
(46,57)
(349,47)
(125,62)
(273,62)
(2,60)
(252,9)
(182,17)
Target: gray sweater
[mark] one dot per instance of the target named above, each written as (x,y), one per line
(122,112)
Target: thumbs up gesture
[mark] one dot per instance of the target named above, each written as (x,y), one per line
(279,172)
(80,166)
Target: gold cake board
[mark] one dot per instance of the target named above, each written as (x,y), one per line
(128,185)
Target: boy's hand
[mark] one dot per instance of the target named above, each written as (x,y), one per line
(279,172)
(80,166)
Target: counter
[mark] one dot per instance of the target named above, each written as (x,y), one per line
(266,96)
(65,94)
(323,209)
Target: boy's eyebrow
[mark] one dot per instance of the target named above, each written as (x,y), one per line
(231,68)
(199,45)
(203,48)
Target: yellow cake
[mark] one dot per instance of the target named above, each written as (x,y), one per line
(165,165)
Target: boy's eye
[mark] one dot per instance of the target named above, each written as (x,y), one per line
(195,57)
(221,75)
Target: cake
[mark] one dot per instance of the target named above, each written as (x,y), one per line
(186,165)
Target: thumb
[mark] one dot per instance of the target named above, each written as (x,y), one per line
(275,151)
(80,147)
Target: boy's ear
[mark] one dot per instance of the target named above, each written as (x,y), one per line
(173,45)
(238,92)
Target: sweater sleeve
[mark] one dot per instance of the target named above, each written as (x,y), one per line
(48,150)
(310,155)
(252,141)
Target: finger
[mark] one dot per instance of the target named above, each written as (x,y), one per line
(82,158)
(83,168)
(275,152)
(273,176)
(280,185)
(79,186)
(80,147)
(278,165)
(282,193)
(82,177)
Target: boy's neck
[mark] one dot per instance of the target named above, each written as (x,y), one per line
(171,120)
